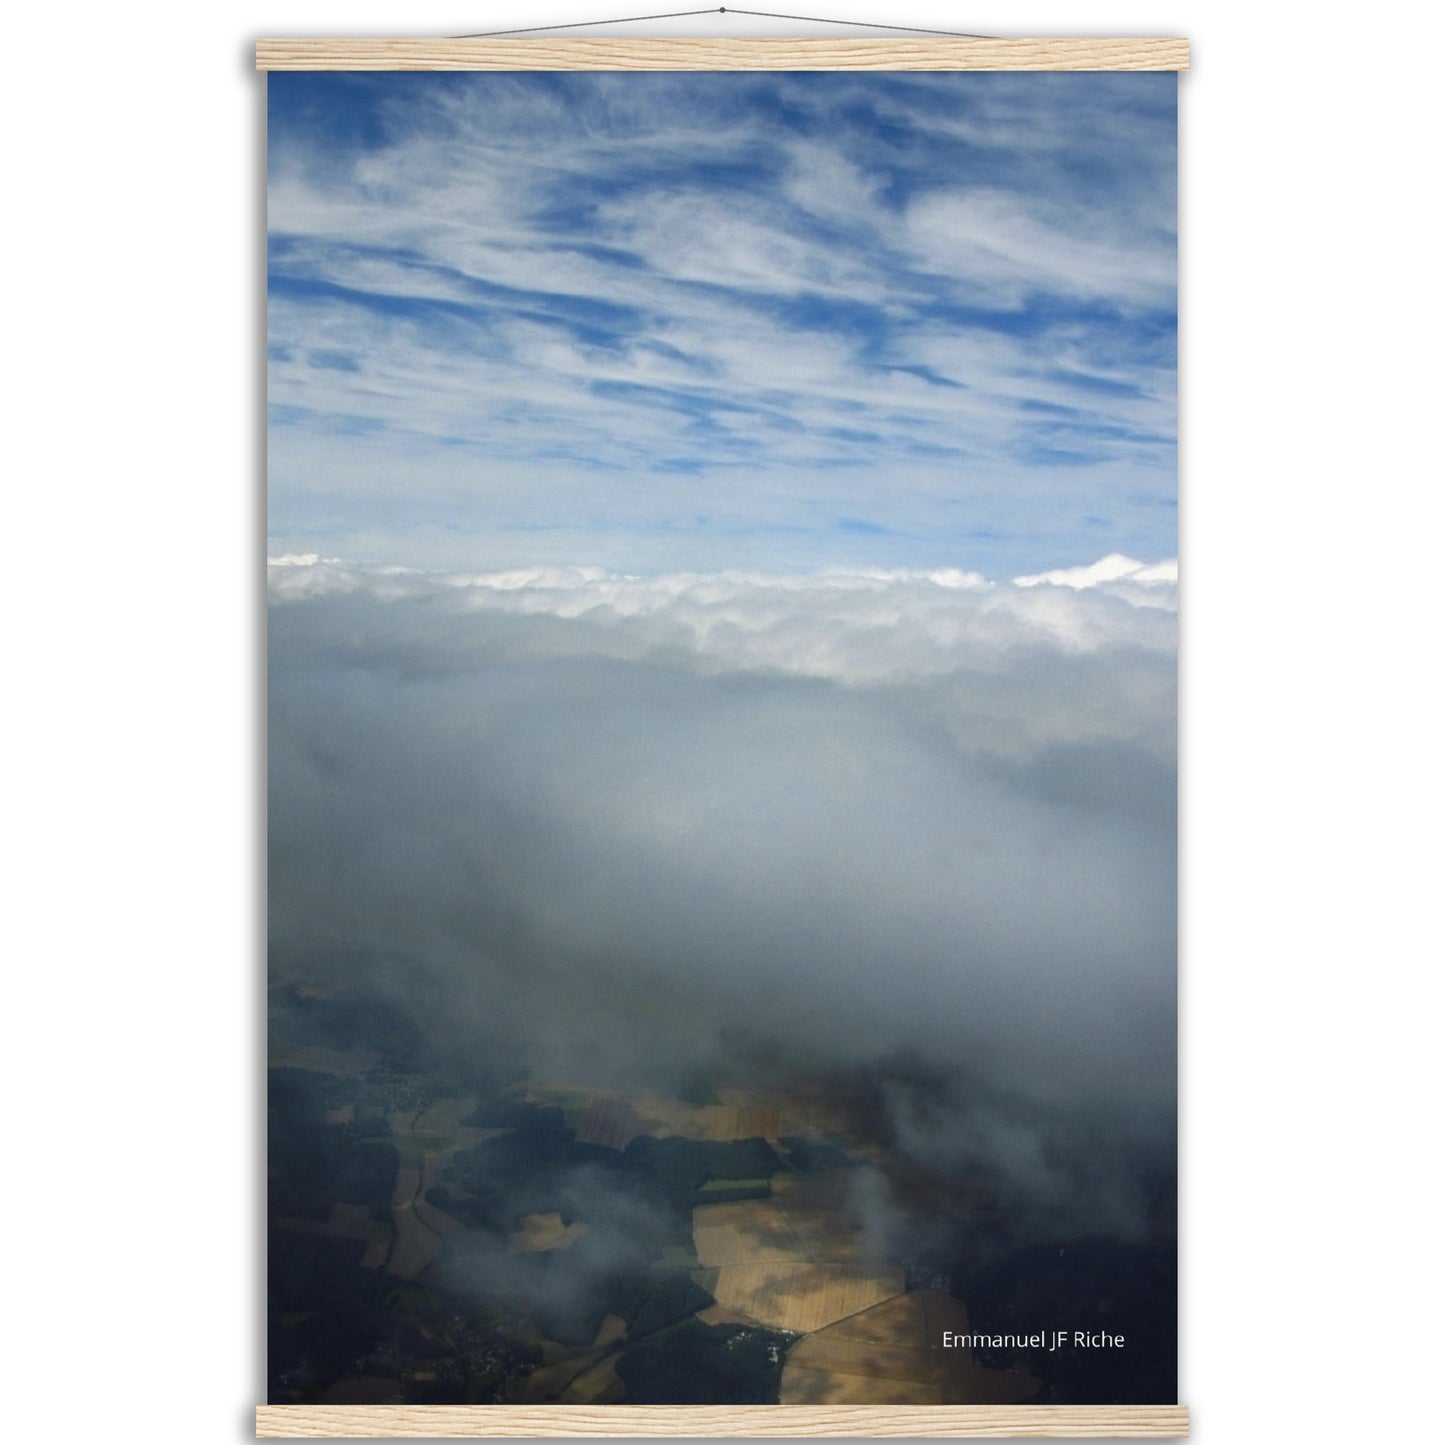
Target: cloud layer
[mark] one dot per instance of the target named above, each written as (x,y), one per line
(615,827)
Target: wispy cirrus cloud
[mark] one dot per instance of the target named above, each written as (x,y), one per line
(693,320)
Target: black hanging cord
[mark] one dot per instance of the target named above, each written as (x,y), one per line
(866,24)
(720,10)
(580,24)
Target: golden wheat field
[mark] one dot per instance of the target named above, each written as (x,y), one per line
(893,1354)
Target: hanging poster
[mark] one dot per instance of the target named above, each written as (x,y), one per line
(722,710)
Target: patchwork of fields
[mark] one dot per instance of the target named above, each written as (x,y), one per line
(560,1243)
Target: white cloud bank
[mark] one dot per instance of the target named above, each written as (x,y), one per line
(620,824)
(847,626)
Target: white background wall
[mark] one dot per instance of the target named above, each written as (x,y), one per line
(133,339)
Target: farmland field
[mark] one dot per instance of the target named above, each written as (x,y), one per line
(800,1297)
(549,1242)
(893,1354)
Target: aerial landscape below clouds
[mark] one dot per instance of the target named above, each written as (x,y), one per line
(899,842)
(722,697)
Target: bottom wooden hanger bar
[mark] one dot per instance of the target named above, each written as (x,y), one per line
(1145,1422)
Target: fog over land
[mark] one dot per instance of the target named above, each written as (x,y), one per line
(889,826)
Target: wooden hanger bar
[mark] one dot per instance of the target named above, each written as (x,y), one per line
(1142,1422)
(713,54)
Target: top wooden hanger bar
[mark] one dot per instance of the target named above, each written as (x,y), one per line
(711,54)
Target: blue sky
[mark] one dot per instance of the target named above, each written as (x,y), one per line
(658,322)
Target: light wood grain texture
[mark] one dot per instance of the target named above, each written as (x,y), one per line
(639,54)
(1143,1422)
